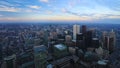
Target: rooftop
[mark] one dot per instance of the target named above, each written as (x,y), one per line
(60,46)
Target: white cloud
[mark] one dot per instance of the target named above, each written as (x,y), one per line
(34,7)
(6,3)
(10,4)
(9,9)
(1,15)
(64,10)
(45,1)
(29,10)
(14,9)
(49,12)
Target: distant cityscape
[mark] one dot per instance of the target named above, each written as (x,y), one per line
(63,45)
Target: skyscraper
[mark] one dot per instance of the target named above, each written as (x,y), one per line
(88,39)
(80,41)
(68,38)
(10,61)
(112,40)
(45,37)
(76,30)
(95,42)
(105,39)
(109,40)
(84,29)
(0,52)
(40,55)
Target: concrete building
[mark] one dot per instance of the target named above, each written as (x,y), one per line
(76,30)
(9,62)
(40,55)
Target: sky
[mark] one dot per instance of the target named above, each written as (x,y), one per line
(59,10)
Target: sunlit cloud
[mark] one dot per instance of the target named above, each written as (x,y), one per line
(46,18)
(45,1)
(34,6)
(14,9)
(17,10)
(9,9)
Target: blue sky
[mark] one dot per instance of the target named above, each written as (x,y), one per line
(59,10)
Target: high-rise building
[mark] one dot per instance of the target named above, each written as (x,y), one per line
(76,30)
(10,61)
(68,38)
(112,40)
(80,36)
(0,52)
(95,42)
(88,39)
(80,41)
(105,39)
(84,29)
(46,37)
(109,40)
(40,55)
(106,42)
(60,50)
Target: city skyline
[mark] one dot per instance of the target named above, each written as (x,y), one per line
(60,10)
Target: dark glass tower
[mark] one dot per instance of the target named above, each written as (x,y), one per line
(84,29)
(88,39)
(0,51)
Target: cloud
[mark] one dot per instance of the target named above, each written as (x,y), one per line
(73,13)
(34,6)
(1,15)
(9,9)
(49,12)
(92,15)
(73,3)
(16,9)
(10,4)
(112,4)
(64,10)
(6,3)
(45,1)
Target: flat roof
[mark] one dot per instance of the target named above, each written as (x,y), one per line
(60,46)
(40,48)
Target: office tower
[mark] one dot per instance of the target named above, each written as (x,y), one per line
(10,61)
(60,50)
(46,37)
(109,40)
(88,39)
(50,47)
(68,38)
(72,50)
(106,42)
(95,42)
(84,29)
(25,60)
(105,39)
(80,36)
(0,51)
(80,41)
(40,55)
(112,40)
(104,33)
(76,30)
